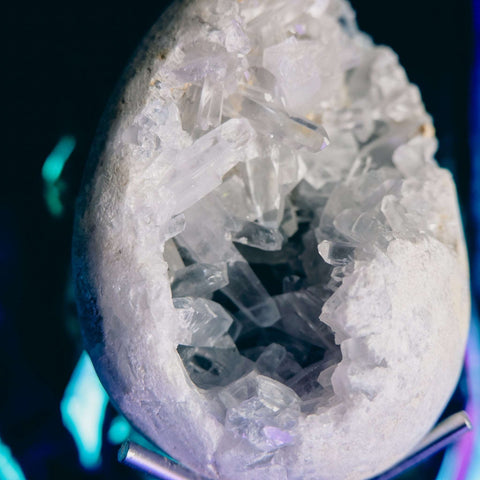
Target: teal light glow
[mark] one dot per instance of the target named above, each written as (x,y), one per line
(119,430)
(9,468)
(53,166)
(83,411)
(51,172)
(53,200)
(449,465)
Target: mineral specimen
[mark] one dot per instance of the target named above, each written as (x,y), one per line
(270,265)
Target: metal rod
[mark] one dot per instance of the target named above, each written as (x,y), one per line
(442,435)
(145,460)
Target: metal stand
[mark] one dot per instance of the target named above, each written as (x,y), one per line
(146,461)
(443,434)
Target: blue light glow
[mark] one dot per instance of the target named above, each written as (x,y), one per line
(462,461)
(475,152)
(9,468)
(471,471)
(119,430)
(83,411)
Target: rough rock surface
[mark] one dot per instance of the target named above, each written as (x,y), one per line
(270,266)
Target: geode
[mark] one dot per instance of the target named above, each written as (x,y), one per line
(270,266)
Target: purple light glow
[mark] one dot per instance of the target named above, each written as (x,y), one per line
(462,461)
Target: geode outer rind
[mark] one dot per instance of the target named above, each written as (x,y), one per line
(401,318)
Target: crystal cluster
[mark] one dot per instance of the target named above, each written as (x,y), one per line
(267,253)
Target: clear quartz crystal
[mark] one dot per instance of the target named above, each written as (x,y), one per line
(277,363)
(268,25)
(210,243)
(172,257)
(207,321)
(211,367)
(261,410)
(208,159)
(262,181)
(236,40)
(210,104)
(199,280)
(295,131)
(258,236)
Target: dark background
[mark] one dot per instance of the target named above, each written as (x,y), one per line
(61,64)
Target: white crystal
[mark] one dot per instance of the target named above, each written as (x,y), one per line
(254,302)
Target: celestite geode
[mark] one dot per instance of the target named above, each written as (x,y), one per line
(270,266)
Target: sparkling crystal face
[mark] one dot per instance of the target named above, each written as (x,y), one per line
(270,265)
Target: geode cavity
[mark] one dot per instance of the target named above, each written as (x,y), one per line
(270,266)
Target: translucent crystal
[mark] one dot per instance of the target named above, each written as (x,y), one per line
(246,291)
(172,257)
(394,213)
(200,59)
(258,236)
(295,131)
(268,25)
(336,254)
(210,367)
(261,410)
(332,164)
(199,280)
(289,225)
(305,383)
(209,244)
(207,321)
(190,105)
(207,160)
(270,359)
(300,312)
(295,64)
(236,40)
(262,181)
(412,157)
(210,104)
(277,363)
(232,195)
(261,86)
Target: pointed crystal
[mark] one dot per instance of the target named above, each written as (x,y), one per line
(199,280)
